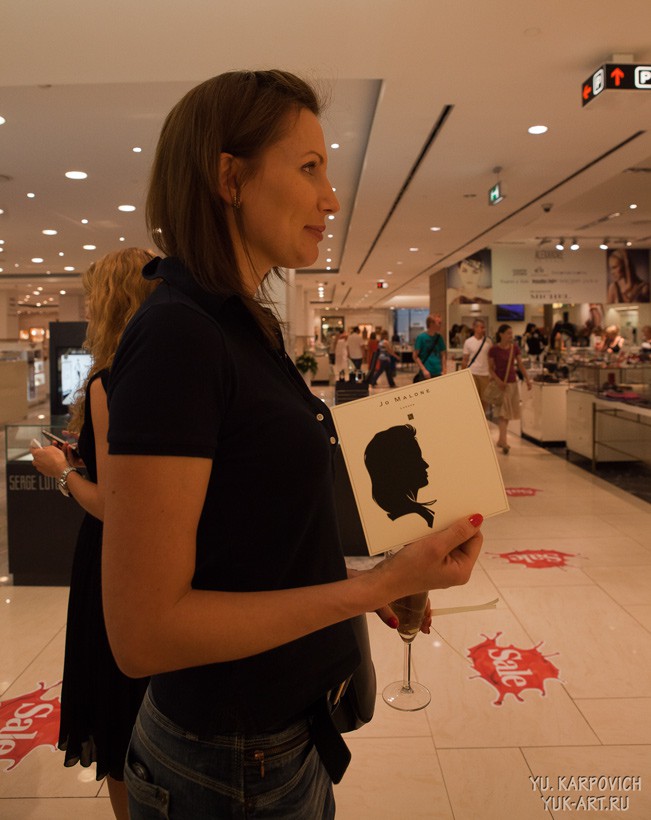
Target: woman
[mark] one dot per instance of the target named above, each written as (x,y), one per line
(472,278)
(611,342)
(232,592)
(626,285)
(503,358)
(98,703)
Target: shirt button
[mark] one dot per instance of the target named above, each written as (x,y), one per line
(333,440)
(320,416)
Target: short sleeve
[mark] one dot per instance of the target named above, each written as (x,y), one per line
(168,384)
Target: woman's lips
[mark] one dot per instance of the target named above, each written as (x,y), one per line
(317,230)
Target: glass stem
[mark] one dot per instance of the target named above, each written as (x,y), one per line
(406,670)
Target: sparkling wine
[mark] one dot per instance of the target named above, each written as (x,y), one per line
(409,611)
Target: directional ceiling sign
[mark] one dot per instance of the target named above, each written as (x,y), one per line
(618,76)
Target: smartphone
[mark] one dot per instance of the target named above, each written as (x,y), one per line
(56,440)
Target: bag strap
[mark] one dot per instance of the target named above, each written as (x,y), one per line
(508,366)
(483,342)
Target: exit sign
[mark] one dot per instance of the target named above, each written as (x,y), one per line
(618,76)
(495,194)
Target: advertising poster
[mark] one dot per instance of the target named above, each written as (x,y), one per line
(628,275)
(544,275)
(470,281)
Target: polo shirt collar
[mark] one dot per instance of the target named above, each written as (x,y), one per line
(172,271)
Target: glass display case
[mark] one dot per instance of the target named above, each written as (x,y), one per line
(42,524)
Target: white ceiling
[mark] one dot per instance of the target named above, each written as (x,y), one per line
(83,83)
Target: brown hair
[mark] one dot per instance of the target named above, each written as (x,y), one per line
(115,289)
(241,113)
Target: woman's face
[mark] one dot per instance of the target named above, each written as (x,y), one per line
(286,202)
(507,336)
(616,267)
(418,467)
(470,273)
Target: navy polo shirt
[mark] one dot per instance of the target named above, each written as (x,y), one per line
(194,376)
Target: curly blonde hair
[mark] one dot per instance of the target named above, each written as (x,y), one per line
(115,289)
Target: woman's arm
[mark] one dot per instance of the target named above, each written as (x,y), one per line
(523,371)
(157,622)
(52,461)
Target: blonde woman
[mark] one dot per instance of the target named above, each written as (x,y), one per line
(98,703)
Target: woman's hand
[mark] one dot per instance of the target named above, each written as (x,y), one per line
(49,461)
(72,456)
(438,561)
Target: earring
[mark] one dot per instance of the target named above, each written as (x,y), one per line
(236,200)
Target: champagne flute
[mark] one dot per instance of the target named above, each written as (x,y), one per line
(407,695)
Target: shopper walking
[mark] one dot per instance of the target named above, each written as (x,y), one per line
(223,574)
(429,350)
(386,357)
(475,357)
(99,703)
(503,358)
(355,348)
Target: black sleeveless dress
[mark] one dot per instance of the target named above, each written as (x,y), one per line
(98,703)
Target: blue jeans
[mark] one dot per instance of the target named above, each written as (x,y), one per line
(173,774)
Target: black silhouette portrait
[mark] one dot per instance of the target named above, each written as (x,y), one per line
(398,471)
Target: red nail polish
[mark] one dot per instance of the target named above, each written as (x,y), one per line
(476,519)
(394,623)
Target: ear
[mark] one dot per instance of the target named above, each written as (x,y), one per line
(227,184)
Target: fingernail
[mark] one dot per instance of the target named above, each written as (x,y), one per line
(476,519)
(393,623)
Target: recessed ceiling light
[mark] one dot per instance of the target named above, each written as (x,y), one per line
(538,129)
(31,196)
(328,259)
(37,260)
(84,222)
(68,267)
(632,206)
(604,245)
(331,236)
(2,120)
(413,250)
(136,149)
(121,239)
(435,228)
(331,216)
(90,247)
(76,174)
(126,208)
(334,189)
(61,253)
(35,292)
(50,232)
(62,292)
(334,145)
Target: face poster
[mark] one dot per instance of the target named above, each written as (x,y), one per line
(628,276)
(471,280)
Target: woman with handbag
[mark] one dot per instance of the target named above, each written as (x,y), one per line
(502,390)
(223,574)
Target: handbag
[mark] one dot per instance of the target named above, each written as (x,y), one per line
(493,393)
(355,704)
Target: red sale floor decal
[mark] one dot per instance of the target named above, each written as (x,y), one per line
(536,559)
(511,670)
(26,722)
(521,491)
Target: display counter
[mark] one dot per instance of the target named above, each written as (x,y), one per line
(42,524)
(543,411)
(605,429)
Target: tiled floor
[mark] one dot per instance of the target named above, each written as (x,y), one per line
(567,650)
